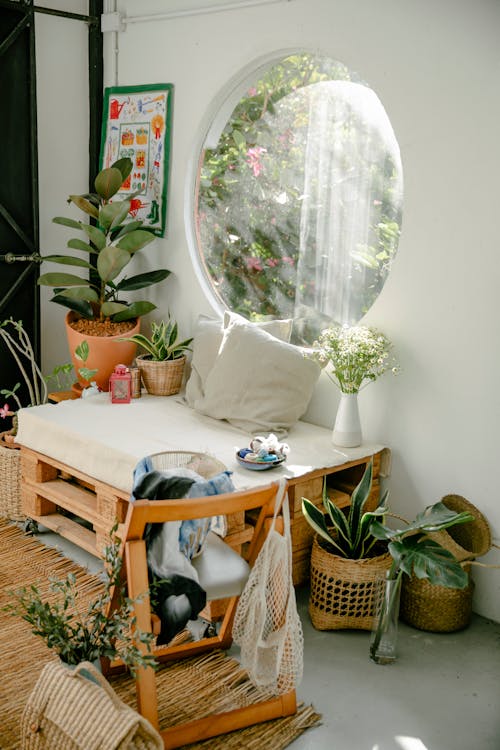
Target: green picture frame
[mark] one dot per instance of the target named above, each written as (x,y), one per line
(137,122)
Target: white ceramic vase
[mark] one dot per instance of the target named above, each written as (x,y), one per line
(347,429)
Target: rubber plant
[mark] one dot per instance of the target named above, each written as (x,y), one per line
(109,245)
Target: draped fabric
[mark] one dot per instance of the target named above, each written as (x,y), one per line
(352,191)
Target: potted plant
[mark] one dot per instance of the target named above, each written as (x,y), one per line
(79,631)
(413,552)
(98,311)
(162,367)
(357,355)
(347,560)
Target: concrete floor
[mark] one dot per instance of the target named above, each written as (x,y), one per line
(442,693)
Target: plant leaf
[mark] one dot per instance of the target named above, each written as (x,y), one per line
(316,520)
(97,237)
(67,260)
(142,280)
(428,560)
(135,240)
(338,520)
(135,310)
(114,213)
(124,165)
(78,305)
(65,222)
(437,517)
(60,279)
(81,292)
(131,226)
(108,182)
(111,308)
(358,501)
(111,261)
(84,205)
(77,244)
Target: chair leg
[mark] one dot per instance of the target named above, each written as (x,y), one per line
(137,576)
(230,721)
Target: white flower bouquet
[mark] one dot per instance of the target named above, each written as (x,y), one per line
(358,355)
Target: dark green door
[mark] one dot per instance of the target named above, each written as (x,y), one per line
(18,181)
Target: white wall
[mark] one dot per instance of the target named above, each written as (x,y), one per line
(435,67)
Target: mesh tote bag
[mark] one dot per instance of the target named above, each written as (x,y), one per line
(68,711)
(267,626)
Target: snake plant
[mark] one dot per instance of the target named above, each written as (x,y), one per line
(348,533)
(163,343)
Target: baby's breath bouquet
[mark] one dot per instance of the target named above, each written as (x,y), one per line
(357,354)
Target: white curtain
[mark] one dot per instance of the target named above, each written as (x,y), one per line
(352,164)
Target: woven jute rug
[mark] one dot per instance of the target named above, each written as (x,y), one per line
(186,690)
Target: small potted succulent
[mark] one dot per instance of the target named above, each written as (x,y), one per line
(162,367)
(98,310)
(79,631)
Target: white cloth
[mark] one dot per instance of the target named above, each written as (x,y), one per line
(106,440)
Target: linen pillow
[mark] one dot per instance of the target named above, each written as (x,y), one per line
(207,341)
(258,383)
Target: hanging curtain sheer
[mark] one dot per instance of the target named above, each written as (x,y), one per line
(351,204)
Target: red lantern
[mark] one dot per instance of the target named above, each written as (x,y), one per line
(120,385)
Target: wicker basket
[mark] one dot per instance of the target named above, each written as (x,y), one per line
(465,541)
(162,378)
(203,464)
(343,591)
(10,484)
(426,606)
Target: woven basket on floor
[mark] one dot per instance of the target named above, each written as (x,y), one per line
(343,591)
(436,608)
(10,484)
(162,378)
(465,541)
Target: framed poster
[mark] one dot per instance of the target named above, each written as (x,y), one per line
(137,123)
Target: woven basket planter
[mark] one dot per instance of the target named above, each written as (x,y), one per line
(10,483)
(343,592)
(437,609)
(466,540)
(162,378)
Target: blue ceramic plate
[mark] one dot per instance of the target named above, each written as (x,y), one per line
(259,465)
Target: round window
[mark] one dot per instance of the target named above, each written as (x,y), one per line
(299,196)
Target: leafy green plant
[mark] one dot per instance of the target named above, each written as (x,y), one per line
(349,534)
(163,343)
(63,376)
(110,245)
(414,552)
(86,631)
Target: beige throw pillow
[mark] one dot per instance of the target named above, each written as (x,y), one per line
(207,342)
(258,383)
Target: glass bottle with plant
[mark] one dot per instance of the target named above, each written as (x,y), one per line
(86,631)
(414,553)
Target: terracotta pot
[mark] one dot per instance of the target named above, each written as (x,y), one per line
(105,352)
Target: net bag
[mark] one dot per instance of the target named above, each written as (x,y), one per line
(267,626)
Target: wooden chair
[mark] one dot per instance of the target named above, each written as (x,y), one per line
(222,574)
